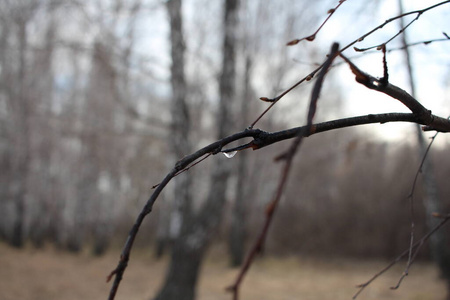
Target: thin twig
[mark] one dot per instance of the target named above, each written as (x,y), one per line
(411,256)
(312,37)
(414,248)
(427,42)
(365,53)
(187,168)
(411,195)
(260,139)
(417,245)
(418,12)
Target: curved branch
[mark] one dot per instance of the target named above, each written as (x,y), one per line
(260,139)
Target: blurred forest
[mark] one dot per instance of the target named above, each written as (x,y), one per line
(85,131)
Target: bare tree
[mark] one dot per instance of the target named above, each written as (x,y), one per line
(68,107)
(419,114)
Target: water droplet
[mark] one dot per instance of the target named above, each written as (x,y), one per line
(229,154)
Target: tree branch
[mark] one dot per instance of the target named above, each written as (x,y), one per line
(381,85)
(260,139)
(360,39)
(312,37)
(418,14)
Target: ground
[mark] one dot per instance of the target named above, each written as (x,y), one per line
(48,274)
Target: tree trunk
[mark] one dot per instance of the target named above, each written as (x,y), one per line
(182,273)
(189,249)
(185,262)
(22,113)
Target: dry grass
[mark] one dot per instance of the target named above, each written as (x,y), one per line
(48,274)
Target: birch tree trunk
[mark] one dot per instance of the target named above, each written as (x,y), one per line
(190,247)
(182,273)
(181,123)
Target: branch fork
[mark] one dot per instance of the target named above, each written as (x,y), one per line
(382,85)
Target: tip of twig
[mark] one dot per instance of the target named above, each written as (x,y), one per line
(111,275)
(265,99)
(310,38)
(293,42)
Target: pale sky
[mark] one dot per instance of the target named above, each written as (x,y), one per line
(431,62)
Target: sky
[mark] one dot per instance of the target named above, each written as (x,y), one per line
(353,19)
(431,62)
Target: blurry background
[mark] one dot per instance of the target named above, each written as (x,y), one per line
(85,123)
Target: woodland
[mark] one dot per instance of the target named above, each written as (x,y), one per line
(265,128)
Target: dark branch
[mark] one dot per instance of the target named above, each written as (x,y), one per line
(260,139)
(381,85)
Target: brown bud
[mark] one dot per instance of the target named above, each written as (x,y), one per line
(311,38)
(265,99)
